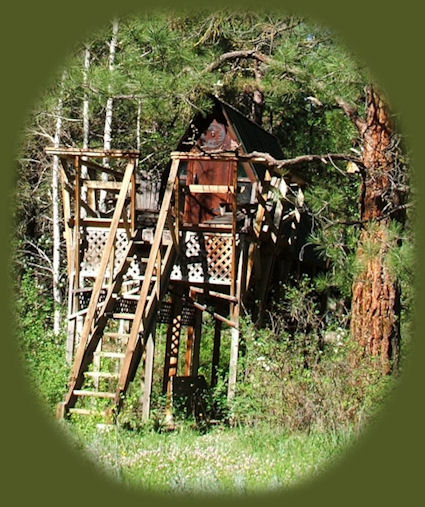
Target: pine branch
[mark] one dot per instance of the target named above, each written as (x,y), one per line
(352,114)
(233,55)
(302,159)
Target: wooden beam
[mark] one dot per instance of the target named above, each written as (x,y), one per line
(211,189)
(89,152)
(187,155)
(99,184)
(214,294)
(206,227)
(216,353)
(97,222)
(147,381)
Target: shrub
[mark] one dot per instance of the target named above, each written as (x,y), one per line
(42,352)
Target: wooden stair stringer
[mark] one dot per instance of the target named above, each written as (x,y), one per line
(82,362)
(135,346)
(149,296)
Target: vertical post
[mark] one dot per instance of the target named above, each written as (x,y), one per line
(189,343)
(234,307)
(133,201)
(147,382)
(177,206)
(234,344)
(189,350)
(71,329)
(77,260)
(197,333)
(216,352)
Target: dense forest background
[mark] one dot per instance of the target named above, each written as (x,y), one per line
(137,84)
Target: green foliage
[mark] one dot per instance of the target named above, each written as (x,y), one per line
(43,353)
(293,383)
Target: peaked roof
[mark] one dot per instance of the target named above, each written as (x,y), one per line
(250,135)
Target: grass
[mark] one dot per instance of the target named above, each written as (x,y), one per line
(223,460)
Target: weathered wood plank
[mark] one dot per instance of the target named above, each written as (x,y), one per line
(211,189)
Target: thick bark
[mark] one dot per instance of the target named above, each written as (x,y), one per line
(376,295)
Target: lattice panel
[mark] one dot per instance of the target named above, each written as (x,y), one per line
(205,258)
(165,315)
(93,246)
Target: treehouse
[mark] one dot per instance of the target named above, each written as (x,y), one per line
(143,252)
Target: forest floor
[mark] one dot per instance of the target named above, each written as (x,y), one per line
(221,460)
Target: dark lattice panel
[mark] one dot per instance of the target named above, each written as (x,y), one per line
(84,297)
(165,317)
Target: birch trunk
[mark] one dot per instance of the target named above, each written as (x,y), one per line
(57,297)
(86,122)
(107,133)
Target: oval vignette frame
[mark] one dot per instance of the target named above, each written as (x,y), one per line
(381,466)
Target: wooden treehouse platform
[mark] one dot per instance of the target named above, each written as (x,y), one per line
(139,254)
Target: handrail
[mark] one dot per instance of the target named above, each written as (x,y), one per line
(91,311)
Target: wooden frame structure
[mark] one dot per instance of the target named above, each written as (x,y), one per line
(124,271)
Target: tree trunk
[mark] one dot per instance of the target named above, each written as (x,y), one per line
(375,318)
(107,133)
(257,96)
(57,296)
(86,122)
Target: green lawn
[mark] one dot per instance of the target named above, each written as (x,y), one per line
(231,460)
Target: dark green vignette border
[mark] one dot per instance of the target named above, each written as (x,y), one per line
(385,467)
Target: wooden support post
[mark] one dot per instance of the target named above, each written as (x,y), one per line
(133,202)
(197,334)
(189,343)
(234,345)
(71,328)
(148,376)
(234,350)
(216,352)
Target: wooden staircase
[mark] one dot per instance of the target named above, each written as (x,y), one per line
(102,343)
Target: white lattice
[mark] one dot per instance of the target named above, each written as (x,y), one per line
(205,258)
(94,245)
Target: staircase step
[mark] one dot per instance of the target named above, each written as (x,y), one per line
(101,374)
(95,394)
(132,297)
(142,260)
(86,411)
(124,316)
(114,355)
(116,335)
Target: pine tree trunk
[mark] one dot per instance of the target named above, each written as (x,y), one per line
(375,323)
(257,96)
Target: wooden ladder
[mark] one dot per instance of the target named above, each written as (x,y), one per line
(127,347)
